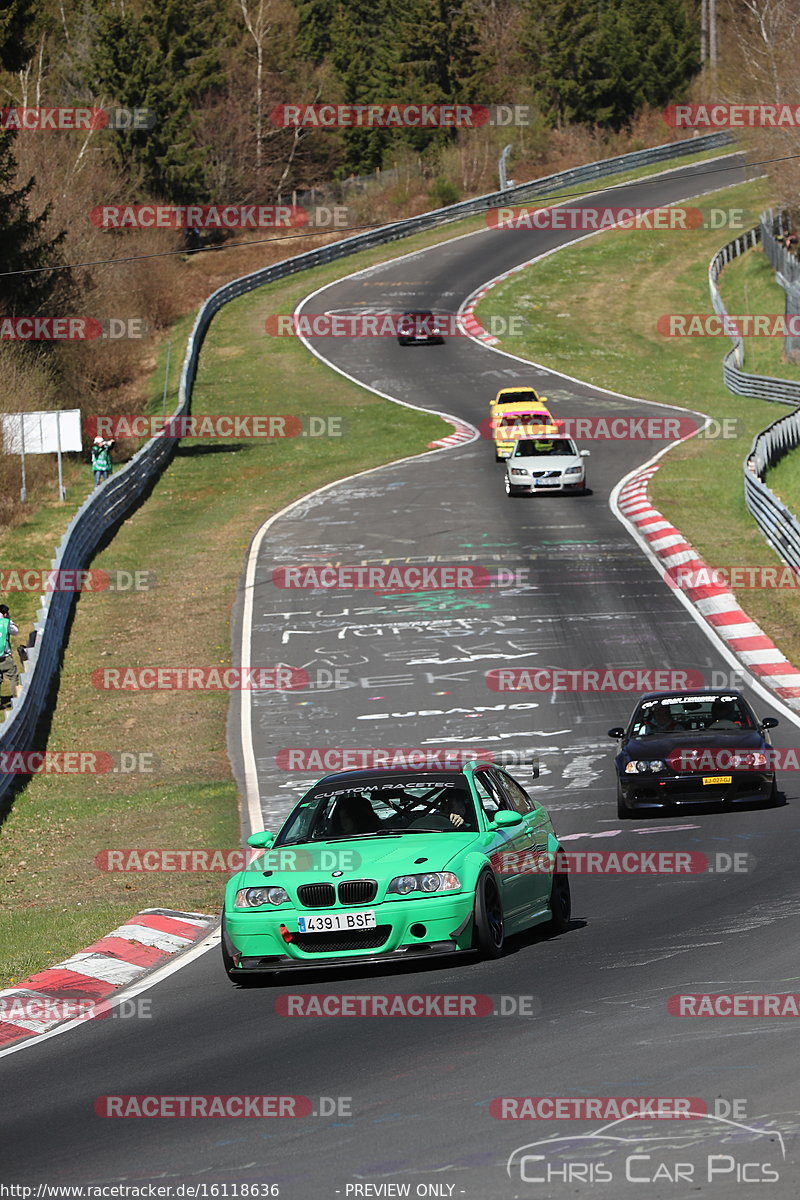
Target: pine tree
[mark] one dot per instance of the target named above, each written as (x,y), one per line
(440,63)
(599,61)
(364,54)
(18,20)
(24,245)
(165,59)
(314,28)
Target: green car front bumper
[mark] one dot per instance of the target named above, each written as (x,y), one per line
(256,939)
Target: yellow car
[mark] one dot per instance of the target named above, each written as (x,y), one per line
(510,422)
(517,395)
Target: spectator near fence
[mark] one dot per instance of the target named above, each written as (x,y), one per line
(101,459)
(8,668)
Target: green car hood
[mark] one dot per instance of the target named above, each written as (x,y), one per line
(375,858)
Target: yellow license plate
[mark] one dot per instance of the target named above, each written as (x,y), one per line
(717,779)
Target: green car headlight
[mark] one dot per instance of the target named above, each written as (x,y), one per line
(433,881)
(254,897)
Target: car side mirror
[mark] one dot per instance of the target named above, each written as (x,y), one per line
(504,819)
(584,453)
(769,722)
(262,840)
(616,732)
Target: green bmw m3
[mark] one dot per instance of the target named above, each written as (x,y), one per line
(382,866)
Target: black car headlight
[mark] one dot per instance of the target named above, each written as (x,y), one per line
(641,767)
(254,897)
(749,760)
(432,881)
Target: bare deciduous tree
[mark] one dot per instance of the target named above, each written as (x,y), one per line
(258,22)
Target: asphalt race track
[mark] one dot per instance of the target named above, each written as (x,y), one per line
(587,1012)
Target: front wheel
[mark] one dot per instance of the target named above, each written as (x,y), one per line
(489,926)
(227,961)
(560,900)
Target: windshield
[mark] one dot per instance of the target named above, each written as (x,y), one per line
(545,448)
(376,806)
(690,714)
(518,398)
(515,420)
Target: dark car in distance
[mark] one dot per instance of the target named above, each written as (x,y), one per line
(421,327)
(682,749)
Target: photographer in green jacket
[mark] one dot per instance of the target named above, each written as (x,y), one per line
(7,665)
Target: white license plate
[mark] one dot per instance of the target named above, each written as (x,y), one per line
(547,482)
(331,922)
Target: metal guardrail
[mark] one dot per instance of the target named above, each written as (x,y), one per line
(112,501)
(737,380)
(779,526)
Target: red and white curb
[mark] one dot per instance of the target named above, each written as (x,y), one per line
(470,323)
(718,606)
(78,986)
(461,433)
(466,313)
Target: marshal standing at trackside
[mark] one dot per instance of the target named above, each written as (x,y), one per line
(7,665)
(101,460)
